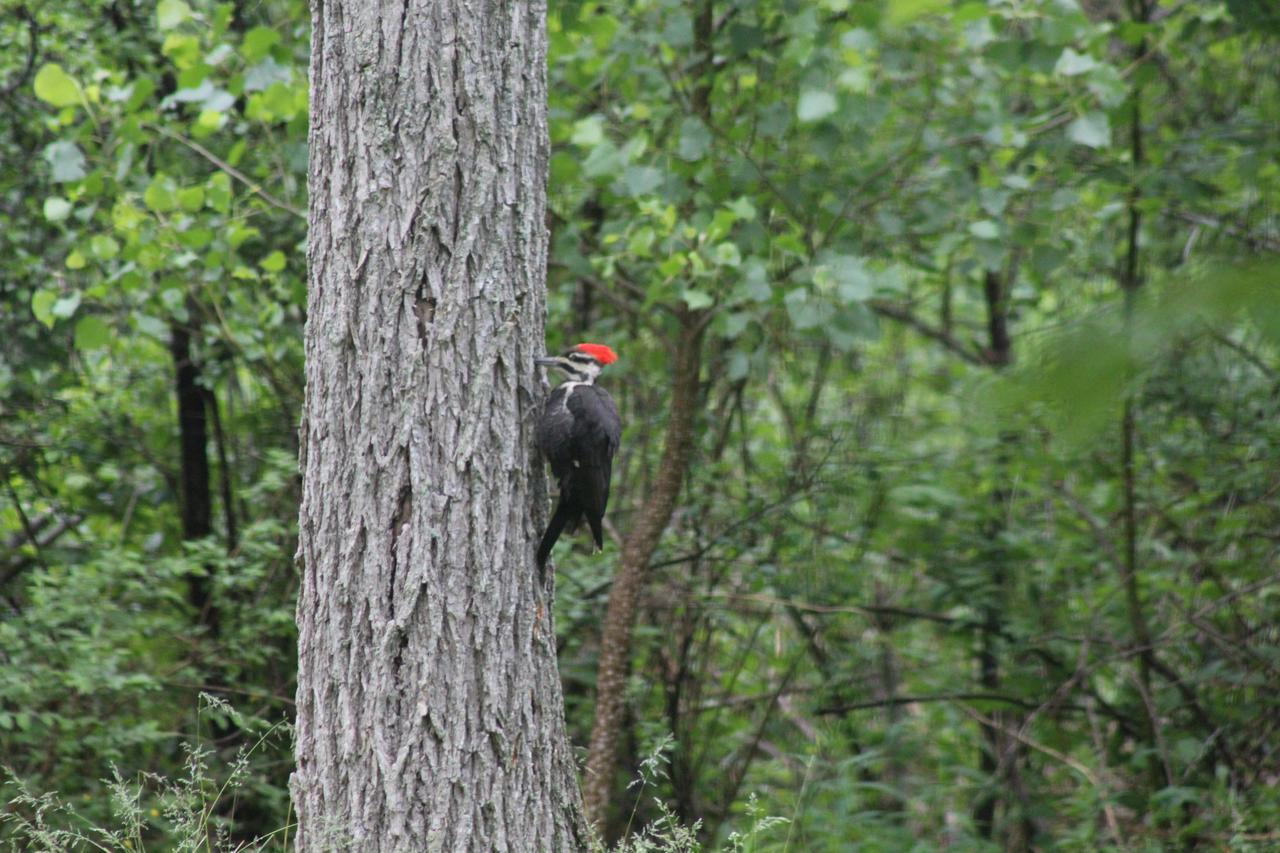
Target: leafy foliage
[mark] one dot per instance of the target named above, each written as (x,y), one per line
(156,151)
(979,544)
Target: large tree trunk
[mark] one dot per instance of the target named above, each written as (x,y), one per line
(429,706)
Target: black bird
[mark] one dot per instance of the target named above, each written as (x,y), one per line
(579,432)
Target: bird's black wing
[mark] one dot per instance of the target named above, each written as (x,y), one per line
(597,433)
(579,432)
(596,418)
(598,429)
(555,431)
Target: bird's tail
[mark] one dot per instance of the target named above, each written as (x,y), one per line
(565,516)
(597,529)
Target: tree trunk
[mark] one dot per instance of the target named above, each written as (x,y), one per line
(642,540)
(1130,280)
(998,354)
(633,563)
(193,440)
(429,706)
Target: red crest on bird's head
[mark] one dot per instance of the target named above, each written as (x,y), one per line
(599,352)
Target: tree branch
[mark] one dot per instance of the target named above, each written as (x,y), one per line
(253,186)
(904,315)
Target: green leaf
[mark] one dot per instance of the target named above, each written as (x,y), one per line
(125,217)
(175,299)
(993,200)
(193,84)
(67,162)
(805,312)
(727,255)
(143,89)
(1071,63)
(191,199)
(151,256)
(76,260)
(815,105)
(219,192)
(1091,129)
(892,279)
(161,194)
(1108,86)
(721,224)
(66,306)
(196,238)
(641,241)
(985,229)
(853,323)
(672,265)
(184,50)
(91,333)
(697,299)
(588,132)
(42,306)
(207,122)
(853,280)
(905,11)
(565,168)
(151,326)
(1133,32)
(735,324)
(57,87)
(279,101)
(604,160)
(237,234)
(56,209)
(695,140)
(172,13)
(642,180)
(743,208)
(755,282)
(268,71)
(104,247)
(273,262)
(258,42)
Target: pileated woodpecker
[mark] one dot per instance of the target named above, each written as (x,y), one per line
(578,433)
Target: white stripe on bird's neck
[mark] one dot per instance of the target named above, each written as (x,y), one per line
(568,388)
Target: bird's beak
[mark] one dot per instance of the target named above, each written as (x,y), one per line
(546,361)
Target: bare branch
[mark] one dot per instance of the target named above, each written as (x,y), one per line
(254,186)
(22,13)
(904,315)
(941,697)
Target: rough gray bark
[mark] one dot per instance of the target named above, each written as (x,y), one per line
(429,706)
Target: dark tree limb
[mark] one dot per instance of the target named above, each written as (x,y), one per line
(904,315)
(193,439)
(224,473)
(1002,698)
(22,13)
(45,535)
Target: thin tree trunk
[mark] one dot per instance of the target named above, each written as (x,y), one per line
(633,563)
(429,707)
(999,354)
(193,440)
(1130,284)
(224,473)
(642,541)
